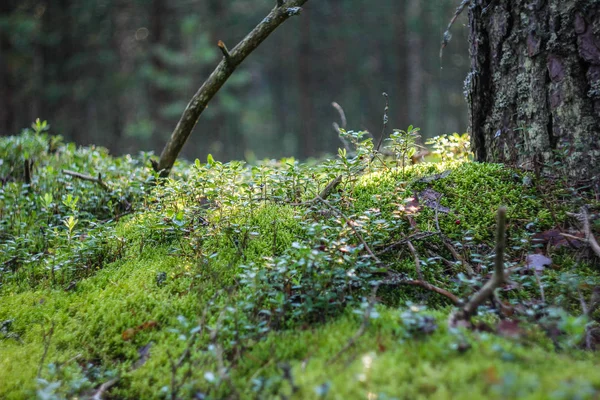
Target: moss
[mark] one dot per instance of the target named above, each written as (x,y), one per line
(385,363)
(92,319)
(171,268)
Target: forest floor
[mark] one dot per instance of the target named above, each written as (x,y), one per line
(236,281)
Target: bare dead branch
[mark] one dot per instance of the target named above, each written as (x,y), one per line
(219,76)
(340,110)
(224,50)
(413,251)
(89,178)
(385,122)
(104,388)
(497,279)
(447,34)
(396,279)
(585,220)
(468,267)
(46,339)
(330,188)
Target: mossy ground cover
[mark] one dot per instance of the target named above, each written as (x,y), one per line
(228,281)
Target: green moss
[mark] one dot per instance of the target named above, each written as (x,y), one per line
(385,363)
(248,258)
(91,319)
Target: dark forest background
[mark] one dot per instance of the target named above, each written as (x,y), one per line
(119,73)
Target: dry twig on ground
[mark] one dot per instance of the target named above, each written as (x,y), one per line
(497,279)
(97,180)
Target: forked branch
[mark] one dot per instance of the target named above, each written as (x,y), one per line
(497,279)
(231,60)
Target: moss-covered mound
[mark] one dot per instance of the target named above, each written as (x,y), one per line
(235,281)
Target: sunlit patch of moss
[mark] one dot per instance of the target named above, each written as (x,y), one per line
(249,235)
(474,191)
(387,362)
(92,319)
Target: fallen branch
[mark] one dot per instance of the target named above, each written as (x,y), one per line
(497,279)
(330,188)
(396,279)
(89,178)
(468,267)
(104,388)
(413,251)
(231,60)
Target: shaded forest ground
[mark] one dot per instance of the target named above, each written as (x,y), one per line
(235,281)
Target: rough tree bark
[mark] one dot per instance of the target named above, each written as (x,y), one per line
(231,60)
(534,85)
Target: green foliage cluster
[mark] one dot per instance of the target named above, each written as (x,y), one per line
(237,280)
(57,228)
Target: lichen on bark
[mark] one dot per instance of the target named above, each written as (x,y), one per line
(537,92)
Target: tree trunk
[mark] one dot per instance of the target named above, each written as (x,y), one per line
(534,85)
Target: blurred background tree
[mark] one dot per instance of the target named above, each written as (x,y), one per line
(118,73)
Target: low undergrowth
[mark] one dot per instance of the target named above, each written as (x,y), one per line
(237,281)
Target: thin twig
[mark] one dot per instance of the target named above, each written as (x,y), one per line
(447,34)
(175,386)
(497,278)
(330,188)
(540,284)
(351,225)
(468,267)
(385,122)
(89,178)
(46,338)
(416,236)
(417,260)
(340,110)
(104,388)
(395,279)
(588,232)
(223,374)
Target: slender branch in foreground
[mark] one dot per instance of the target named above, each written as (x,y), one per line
(351,225)
(104,388)
(97,180)
(396,279)
(279,14)
(413,251)
(46,339)
(447,34)
(340,110)
(385,122)
(497,279)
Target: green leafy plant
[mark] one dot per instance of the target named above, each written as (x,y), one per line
(453,146)
(404,145)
